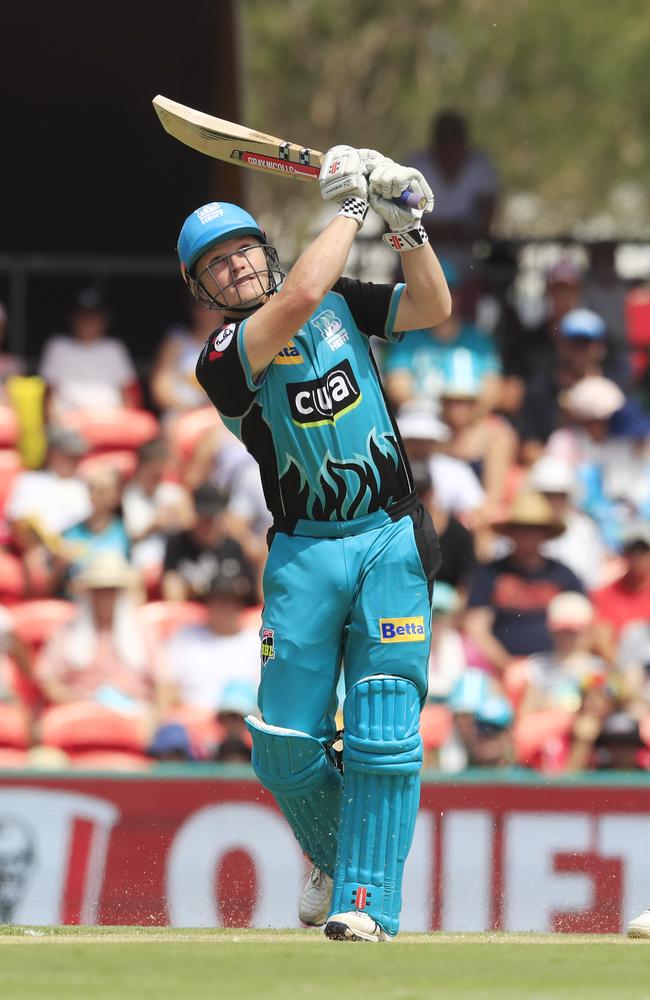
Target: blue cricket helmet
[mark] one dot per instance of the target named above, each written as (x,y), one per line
(209,225)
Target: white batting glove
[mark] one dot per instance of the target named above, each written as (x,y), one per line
(387,181)
(342,174)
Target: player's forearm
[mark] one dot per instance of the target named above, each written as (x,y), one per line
(427,294)
(321,264)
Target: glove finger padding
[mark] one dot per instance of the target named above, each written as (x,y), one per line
(342,174)
(387,181)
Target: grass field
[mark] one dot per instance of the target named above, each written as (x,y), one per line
(125,963)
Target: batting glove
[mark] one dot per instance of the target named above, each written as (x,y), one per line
(342,174)
(387,181)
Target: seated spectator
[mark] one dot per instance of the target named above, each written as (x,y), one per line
(207,659)
(483,717)
(606,734)
(508,597)
(466,184)
(554,678)
(86,368)
(579,350)
(456,486)
(448,654)
(580,546)
(105,654)
(456,542)
(418,366)
(173,383)
(153,507)
(233,751)
(498,313)
(171,744)
(14,656)
(103,529)
(627,599)
(486,441)
(239,699)
(194,556)
(605,292)
(613,471)
(42,504)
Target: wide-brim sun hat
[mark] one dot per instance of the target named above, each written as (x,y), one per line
(106,570)
(592,398)
(530,510)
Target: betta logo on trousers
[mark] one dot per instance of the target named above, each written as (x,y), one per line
(402,629)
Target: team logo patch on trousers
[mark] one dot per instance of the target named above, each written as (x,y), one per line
(402,629)
(268,645)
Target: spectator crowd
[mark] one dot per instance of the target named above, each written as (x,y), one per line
(133,524)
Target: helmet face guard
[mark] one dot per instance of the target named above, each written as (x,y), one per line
(267,279)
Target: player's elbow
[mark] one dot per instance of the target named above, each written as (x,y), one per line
(441,305)
(300,299)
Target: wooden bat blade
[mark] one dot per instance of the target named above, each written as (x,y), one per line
(224,140)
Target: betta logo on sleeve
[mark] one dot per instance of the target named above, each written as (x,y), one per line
(402,629)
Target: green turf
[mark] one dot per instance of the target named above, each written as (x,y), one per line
(135,964)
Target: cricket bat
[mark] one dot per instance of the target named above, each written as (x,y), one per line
(245,147)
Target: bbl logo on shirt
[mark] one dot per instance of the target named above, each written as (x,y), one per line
(402,629)
(268,645)
(331,329)
(323,400)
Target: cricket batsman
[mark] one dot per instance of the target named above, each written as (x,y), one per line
(353,554)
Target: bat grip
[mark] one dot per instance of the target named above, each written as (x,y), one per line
(408,199)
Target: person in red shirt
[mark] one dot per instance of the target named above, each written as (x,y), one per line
(627,599)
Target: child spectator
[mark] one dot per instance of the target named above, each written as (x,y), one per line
(627,599)
(103,529)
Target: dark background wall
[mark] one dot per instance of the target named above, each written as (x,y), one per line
(86,169)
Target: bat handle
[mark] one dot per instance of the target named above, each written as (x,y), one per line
(411,200)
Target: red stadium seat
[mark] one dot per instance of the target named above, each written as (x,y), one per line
(515,681)
(12,578)
(85,726)
(113,427)
(436,724)
(190,428)
(122,460)
(533,734)
(9,427)
(35,621)
(164,617)
(11,464)
(13,760)
(14,727)
(110,760)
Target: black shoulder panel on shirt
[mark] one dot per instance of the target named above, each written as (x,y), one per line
(219,370)
(369,304)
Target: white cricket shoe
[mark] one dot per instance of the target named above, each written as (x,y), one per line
(316,898)
(354,926)
(640,926)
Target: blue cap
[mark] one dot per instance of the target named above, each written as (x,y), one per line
(582,323)
(211,224)
(171,737)
(495,711)
(445,598)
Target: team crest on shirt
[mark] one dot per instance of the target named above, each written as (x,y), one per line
(289,355)
(331,329)
(220,341)
(268,645)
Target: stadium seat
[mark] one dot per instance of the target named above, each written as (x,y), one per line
(535,733)
(35,621)
(113,428)
(204,730)
(436,722)
(14,727)
(122,460)
(11,464)
(9,427)
(190,428)
(164,617)
(13,760)
(110,760)
(83,726)
(12,578)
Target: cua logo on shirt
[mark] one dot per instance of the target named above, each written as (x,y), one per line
(323,400)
